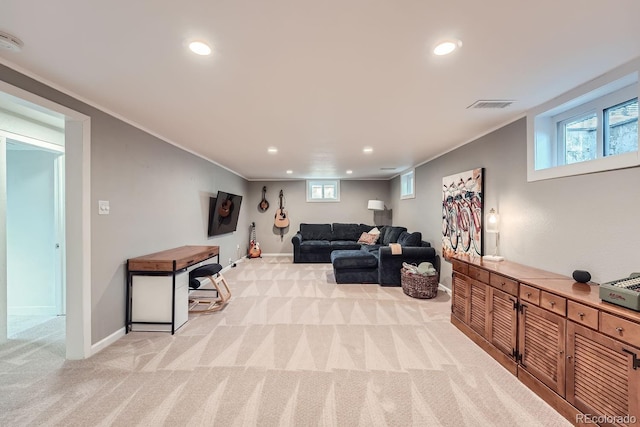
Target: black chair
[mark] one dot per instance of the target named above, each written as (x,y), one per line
(202,303)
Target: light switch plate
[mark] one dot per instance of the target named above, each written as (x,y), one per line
(103,207)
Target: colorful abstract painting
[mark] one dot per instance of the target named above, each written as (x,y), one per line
(462,214)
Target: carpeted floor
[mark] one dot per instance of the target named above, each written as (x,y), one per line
(291,349)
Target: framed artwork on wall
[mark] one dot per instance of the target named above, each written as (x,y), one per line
(462,209)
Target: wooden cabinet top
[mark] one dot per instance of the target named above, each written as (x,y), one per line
(552,282)
(172,259)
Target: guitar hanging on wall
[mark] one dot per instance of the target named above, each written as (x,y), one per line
(254,247)
(281,220)
(263,205)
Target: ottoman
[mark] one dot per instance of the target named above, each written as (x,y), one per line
(354,266)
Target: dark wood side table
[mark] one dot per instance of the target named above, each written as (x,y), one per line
(158,287)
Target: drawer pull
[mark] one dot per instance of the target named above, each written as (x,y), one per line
(528,294)
(581,315)
(619,329)
(552,303)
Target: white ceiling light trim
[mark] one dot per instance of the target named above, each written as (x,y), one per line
(446,47)
(9,42)
(200,48)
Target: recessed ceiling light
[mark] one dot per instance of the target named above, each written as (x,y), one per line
(349,172)
(289,172)
(272,150)
(367,150)
(445,47)
(200,48)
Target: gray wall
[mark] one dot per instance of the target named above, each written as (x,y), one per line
(352,208)
(587,222)
(159,197)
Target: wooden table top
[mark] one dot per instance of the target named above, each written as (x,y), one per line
(172,260)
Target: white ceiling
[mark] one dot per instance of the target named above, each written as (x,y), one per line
(319,80)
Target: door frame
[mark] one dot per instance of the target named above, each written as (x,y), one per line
(77,251)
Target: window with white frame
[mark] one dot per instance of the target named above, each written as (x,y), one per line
(325,190)
(407,185)
(592,128)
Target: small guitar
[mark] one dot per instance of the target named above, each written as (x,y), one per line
(254,247)
(263,205)
(225,208)
(281,220)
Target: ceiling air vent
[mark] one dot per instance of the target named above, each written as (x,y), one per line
(491,103)
(387,169)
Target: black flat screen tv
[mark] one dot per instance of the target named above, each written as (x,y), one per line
(223,213)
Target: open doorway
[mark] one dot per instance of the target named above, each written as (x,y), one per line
(76,276)
(35,234)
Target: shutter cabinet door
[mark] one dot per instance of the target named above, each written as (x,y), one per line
(460,305)
(503,321)
(601,379)
(542,346)
(478,308)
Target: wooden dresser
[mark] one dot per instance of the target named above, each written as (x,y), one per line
(579,354)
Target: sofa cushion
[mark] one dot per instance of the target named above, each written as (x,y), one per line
(344,244)
(353,259)
(315,231)
(315,246)
(390,234)
(410,239)
(343,231)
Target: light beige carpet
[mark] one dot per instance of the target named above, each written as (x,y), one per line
(291,349)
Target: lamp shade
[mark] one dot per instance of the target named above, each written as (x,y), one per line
(375,205)
(492,222)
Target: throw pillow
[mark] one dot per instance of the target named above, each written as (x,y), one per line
(374,230)
(368,239)
(410,239)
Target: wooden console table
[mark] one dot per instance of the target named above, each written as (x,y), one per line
(158,287)
(578,353)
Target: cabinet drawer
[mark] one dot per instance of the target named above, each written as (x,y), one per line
(460,267)
(479,274)
(507,285)
(622,329)
(583,314)
(529,294)
(553,302)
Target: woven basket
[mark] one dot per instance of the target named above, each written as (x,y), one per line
(419,285)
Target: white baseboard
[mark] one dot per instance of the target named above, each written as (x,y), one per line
(274,254)
(444,289)
(106,342)
(45,310)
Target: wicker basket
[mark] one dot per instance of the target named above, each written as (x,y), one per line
(419,285)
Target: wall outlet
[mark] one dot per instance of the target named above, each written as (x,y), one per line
(230,261)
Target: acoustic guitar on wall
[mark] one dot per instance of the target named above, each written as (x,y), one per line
(281,219)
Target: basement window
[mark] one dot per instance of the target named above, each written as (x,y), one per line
(590,129)
(326,190)
(407,185)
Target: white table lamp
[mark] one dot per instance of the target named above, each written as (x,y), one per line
(492,225)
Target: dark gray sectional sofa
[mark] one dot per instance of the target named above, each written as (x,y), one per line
(353,262)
